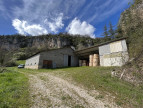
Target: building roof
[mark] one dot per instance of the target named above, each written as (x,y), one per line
(51,50)
(84,53)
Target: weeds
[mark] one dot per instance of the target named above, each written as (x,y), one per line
(13,90)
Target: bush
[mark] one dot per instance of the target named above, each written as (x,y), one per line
(10,64)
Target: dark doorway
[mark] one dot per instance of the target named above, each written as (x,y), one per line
(47,64)
(69,60)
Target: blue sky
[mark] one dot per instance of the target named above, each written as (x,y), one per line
(36,17)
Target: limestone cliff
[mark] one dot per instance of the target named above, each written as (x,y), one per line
(131,24)
(132,17)
(16,42)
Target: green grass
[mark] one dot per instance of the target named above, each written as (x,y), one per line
(99,78)
(14,90)
(20,62)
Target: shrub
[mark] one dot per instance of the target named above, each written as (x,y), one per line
(10,63)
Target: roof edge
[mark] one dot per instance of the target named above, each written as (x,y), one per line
(114,40)
(51,50)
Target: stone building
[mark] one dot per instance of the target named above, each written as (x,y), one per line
(112,53)
(56,58)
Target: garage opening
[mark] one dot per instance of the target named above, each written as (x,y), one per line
(69,61)
(47,64)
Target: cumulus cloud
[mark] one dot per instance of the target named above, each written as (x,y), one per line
(24,28)
(55,24)
(82,28)
(47,13)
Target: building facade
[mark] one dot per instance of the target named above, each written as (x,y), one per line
(112,53)
(57,58)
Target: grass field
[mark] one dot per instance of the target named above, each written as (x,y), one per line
(98,78)
(18,62)
(13,90)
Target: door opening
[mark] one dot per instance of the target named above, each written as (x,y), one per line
(69,61)
(47,64)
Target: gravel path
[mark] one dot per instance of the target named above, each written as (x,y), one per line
(49,91)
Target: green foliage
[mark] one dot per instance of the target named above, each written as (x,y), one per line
(18,62)
(2,57)
(131,25)
(119,32)
(27,45)
(111,31)
(136,2)
(105,34)
(13,90)
(10,63)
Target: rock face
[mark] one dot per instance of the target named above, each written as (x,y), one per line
(132,17)
(16,42)
(13,43)
(131,23)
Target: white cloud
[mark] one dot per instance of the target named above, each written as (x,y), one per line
(47,12)
(24,28)
(82,28)
(56,24)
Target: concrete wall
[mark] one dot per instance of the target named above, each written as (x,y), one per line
(59,57)
(33,62)
(113,54)
(105,49)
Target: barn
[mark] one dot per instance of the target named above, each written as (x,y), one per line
(55,58)
(112,53)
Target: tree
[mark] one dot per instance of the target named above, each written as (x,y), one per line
(111,31)
(106,34)
(2,56)
(119,32)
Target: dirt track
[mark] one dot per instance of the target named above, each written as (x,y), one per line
(49,91)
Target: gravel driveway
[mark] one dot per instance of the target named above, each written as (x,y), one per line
(50,91)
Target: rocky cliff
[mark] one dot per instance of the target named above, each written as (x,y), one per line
(131,24)
(132,17)
(16,42)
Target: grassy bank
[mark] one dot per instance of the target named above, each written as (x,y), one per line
(20,62)
(100,79)
(13,90)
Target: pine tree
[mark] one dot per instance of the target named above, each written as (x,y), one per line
(119,32)
(111,31)
(106,34)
